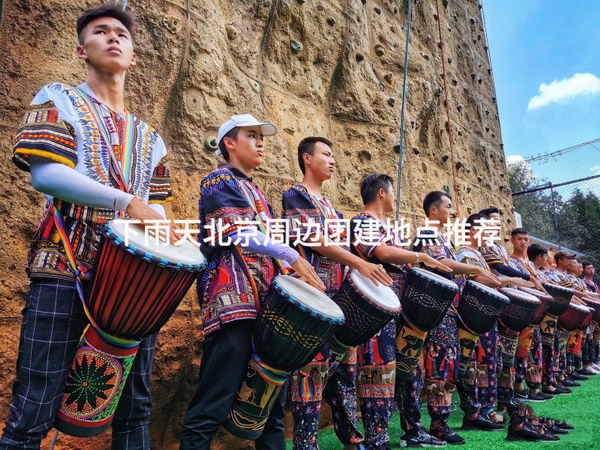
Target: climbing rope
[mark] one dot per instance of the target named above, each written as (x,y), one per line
(455,187)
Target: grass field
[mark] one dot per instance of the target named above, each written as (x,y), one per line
(581,409)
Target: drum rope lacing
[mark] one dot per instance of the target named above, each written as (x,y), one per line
(79,277)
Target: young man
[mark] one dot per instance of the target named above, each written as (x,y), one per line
(529,352)
(588,276)
(235,280)
(479,393)
(538,255)
(442,349)
(65,141)
(304,204)
(377,357)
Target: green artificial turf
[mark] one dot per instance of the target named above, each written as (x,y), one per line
(581,409)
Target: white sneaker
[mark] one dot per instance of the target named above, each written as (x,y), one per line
(593,369)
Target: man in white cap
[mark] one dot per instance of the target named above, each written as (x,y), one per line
(235,280)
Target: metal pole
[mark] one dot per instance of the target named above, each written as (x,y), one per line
(402,110)
(554,215)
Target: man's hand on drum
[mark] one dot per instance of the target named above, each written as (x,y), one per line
(306,272)
(516,281)
(433,263)
(488,278)
(138,210)
(374,272)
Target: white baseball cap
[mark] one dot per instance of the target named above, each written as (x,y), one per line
(245,120)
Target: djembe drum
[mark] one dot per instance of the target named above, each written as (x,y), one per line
(294,322)
(478,310)
(136,287)
(367,309)
(571,326)
(515,317)
(425,300)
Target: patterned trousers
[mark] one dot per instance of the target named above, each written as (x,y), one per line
(338,389)
(53,321)
(479,389)
(529,357)
(441,355)
(376,380)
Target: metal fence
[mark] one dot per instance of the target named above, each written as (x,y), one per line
(564,215)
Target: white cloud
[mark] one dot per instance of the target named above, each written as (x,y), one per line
(563,90)
(596,170)
(514,159)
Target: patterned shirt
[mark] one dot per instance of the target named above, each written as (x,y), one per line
(577,283)
(592,286)
(234,276)
(470,255)
(494,253)
(375,234)
(302,207)
(439,248)
(558,277)
(522,265)
(59,127)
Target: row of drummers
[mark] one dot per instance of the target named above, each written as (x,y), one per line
(295,315)
(295,321)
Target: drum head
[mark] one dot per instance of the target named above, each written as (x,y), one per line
(536,293)
(185,254)
(515,293)
(311,298)
(381,295)
(435,277)
(488,290)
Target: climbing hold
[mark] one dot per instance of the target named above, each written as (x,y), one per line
(445,158)
(379,50)
(415,150)
(172,24)
(331,21)
(377,9)
(360,57)
(459,165)
(388,77)
(348,102)
(232,32)
(211,143)
(301,1)
(255,86)
(391,101)
(397,148)
(297,47)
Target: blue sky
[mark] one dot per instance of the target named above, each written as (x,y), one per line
(535,42)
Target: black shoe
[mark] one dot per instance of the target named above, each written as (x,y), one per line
(547,436)
(443,431)
(558,390)
(577,376)
(585,372)
(420,438)
(522,396)
(563,425)
(481,424)
(524,434)
(570,384)
(543,396)
(555,430)
(536,398)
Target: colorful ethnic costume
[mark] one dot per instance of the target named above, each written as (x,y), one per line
(70,126)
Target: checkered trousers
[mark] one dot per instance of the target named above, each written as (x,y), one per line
(53,321)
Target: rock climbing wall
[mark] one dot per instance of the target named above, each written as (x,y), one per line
(313,67)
